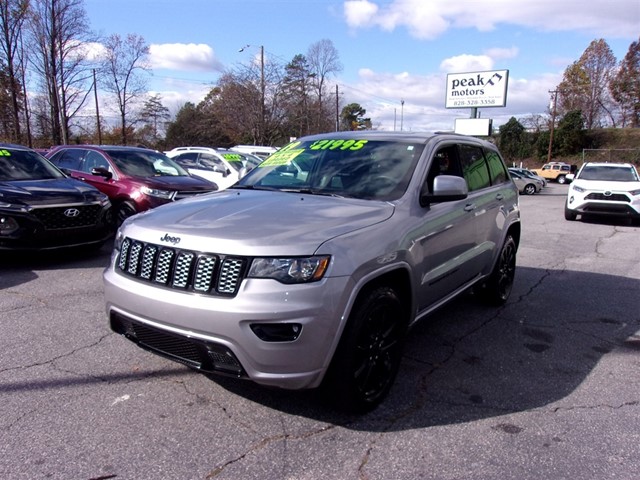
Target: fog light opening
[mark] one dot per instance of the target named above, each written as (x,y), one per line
(276,332)
(8,225)
(224,360)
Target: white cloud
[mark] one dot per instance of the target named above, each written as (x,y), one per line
(466,63)
(429,19)
(184,57)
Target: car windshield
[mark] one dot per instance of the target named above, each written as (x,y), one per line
(375,170)
(25,165)
(609,173)
(240,160)
(141,163)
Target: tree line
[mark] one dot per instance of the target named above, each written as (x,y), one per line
(596,92)
(52,67)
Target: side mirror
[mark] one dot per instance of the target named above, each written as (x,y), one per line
(446,188)
(102,172)
(569,177)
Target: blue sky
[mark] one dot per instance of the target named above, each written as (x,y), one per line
(391,50)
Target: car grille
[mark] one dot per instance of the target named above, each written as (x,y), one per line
(69,216)
(198,354)
(189,193)
(614,197)
(203,273)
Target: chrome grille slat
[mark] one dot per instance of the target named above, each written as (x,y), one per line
(202,273)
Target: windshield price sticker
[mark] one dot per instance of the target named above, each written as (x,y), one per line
(5,153)
(284,156)
(338,144)
(232,157)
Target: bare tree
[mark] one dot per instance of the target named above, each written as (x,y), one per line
(13,14)
(59,29)
(124,67)
(585,84)
(324,61)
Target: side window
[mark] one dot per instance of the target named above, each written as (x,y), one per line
(70,159)
(187,160)
(211,162)
(497,169)
(94,160)
(474,167)
(445,162)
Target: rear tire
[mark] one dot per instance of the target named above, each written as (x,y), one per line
(497,288)
(561,179)
(368,357)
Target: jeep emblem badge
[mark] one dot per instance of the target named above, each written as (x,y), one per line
(71,212)
(169,239)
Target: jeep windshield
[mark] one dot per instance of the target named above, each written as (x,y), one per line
(366,169)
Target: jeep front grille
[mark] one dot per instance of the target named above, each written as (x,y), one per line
(170,267)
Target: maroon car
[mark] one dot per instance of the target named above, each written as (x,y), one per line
(135,179)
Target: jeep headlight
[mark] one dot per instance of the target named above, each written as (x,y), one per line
(290,270)
(154,192)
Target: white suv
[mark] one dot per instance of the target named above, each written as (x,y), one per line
(311,269)
(604,189)
(221,166)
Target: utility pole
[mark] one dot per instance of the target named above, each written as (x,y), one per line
(401,113)
(95,92)
(553,122)
(337,111)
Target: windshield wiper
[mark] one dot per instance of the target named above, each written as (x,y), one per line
(311,191)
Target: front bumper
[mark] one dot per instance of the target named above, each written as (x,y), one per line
(216,334)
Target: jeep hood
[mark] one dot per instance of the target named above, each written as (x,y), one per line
(244,222)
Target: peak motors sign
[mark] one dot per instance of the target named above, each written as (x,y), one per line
(477,89)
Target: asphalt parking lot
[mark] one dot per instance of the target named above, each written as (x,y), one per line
(547,387)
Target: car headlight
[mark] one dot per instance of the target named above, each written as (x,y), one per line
(154,192)
(635,192)
(579,189)
(290,270)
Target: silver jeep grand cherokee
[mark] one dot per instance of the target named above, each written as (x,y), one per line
(311,269)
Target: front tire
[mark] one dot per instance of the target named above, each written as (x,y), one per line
(569,214)
(497,288)
(529,189)
(368,357)
(124,211)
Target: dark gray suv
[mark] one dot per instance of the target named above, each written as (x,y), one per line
(310,271)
